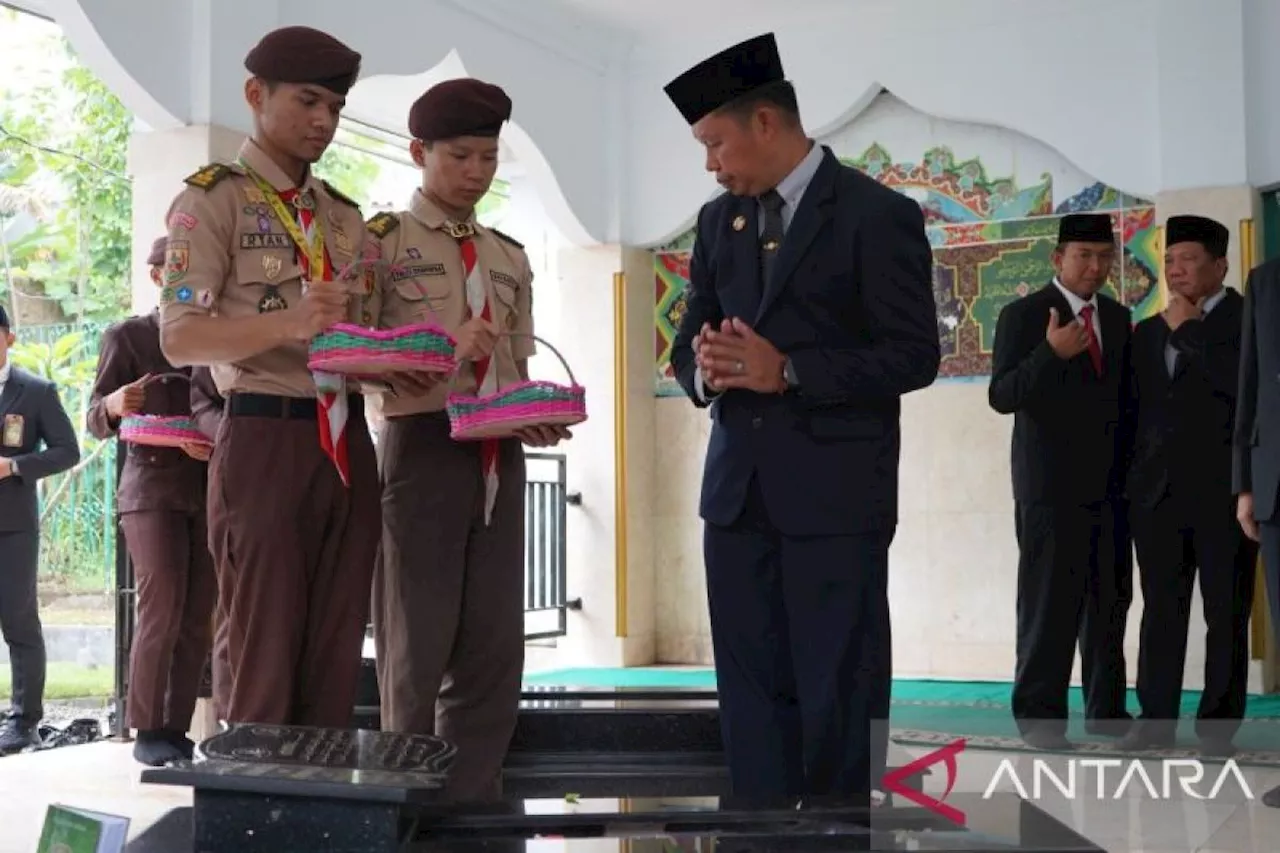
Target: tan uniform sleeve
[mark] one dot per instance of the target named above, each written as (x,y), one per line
(198,255)
(522,344)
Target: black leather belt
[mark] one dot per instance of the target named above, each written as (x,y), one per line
(283,408)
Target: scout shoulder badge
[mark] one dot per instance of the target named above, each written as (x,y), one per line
(383,224)
(333,191)
(508,238)
(209,176)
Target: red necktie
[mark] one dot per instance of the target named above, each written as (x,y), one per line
(489,446)
(331,404)
(1095,348)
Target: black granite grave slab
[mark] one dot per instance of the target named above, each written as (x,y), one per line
(271,788)
(1001,823)
(614,741)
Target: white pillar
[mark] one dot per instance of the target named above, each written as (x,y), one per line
(159,161)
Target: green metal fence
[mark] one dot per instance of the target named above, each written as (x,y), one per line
(77,536)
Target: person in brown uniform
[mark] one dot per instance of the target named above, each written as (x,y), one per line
(254,253)
(160,499)
(447,596)
(206,411)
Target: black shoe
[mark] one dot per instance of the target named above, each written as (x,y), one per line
(1143,737)
(1271,799)
(184,744)
(1047,741)
(16,735)
(154,749)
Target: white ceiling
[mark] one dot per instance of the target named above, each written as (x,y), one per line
(651,17)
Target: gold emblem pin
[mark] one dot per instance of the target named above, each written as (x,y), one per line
(459,230)
(253,195)
(739,222)
(271,266)
(342,241)
(771,245)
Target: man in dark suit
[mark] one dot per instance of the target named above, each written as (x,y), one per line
(809,313)
(36,441)
(1060,366)
(1255,468)
(1185,369)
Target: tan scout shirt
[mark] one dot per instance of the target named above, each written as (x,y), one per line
(229,255)
(428,285)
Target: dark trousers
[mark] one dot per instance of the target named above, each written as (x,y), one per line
(294,550)
(20,622)
(1075,586)
(1270,536)
(448,597)
(176,593)
(1174,539)
(801,635)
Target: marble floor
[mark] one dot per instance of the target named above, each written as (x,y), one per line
(103,777)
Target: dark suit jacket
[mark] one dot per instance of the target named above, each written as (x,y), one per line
(851,303)
(1183,424)
(47,446)
(154,478)
(1256,460)
(1070,426)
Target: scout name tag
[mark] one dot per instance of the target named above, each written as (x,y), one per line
(12,436)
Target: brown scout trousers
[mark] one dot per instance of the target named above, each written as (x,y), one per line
(448,606)
(177,590)
(294,550)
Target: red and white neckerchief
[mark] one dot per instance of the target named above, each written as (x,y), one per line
(486,379)
(331,389)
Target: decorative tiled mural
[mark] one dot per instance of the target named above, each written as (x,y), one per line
(991,239)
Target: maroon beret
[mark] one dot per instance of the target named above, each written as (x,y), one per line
(156,258)
(461,107)
(304,55)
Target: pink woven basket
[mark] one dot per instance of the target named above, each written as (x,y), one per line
(161,431)
(352,350)
(517,407)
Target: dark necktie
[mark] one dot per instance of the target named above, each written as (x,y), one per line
(771,236)
(1095,348)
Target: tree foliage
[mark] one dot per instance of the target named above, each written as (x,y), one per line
(63,172)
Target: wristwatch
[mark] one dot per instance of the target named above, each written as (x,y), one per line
(13,468)
(789,375)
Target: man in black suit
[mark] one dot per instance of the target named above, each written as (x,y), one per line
(1060,366)
(809,313)
(1185,369)
(31,415)
(1255,468)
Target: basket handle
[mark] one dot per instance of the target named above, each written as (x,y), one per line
(162,376)
(563,361)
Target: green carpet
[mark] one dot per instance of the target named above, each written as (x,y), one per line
(936,712)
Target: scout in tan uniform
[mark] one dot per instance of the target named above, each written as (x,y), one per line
(293,525)
(161,500)
(448,606)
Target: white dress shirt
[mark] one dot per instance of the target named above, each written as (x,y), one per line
(4,375)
